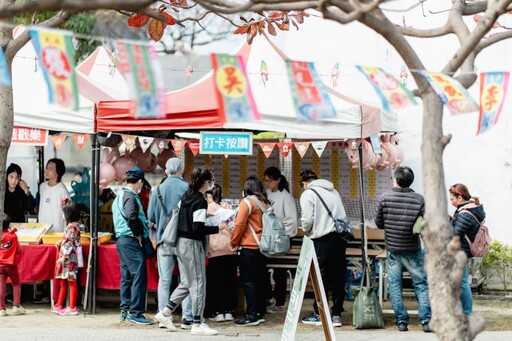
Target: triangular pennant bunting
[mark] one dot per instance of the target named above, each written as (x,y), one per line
(267,148)
(177,145)
(58,140)
(145,142)
(302,147)
(285,147)
(194,146)
(319,147)
(80,139)
(129,142)
(160,144)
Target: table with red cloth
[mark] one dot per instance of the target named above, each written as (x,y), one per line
(37,263)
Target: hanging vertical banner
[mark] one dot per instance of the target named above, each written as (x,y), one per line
(312,102)
(267,148)
(140,66)
(493,89)
(55,51)
(319,147)
(264,73)
(302,147)
(80,139)
(285,147)
(58,140)
(145,142)
(5,77)
(451,92)
(194,146)
(233,89)
(177,145)
(393,94)
(335,74)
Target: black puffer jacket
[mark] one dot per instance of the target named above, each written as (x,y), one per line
(396,213)
(464,224)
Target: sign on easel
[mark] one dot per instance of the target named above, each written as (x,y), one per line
(304,268)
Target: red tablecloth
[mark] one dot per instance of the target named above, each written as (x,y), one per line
(37,263)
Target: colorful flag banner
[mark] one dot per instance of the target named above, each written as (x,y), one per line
(142,70)
(451,92)
(160,144)
(80,139)
(302,147)
(264,73)
(129,142)
(267,148)
(393,94)
(335,74)
(374,139)
(145,142)
(233,89)
(310,96)
(285,147)
(55,51)
(29,136)
(319,147)
(493,89)
(58,140)
(5,77)
(194,146)
(177,145)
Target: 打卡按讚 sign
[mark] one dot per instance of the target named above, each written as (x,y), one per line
(225,143)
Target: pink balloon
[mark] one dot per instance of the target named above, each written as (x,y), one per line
(152,166)
(122,165)
(351,148)
(107,171)
(143,159)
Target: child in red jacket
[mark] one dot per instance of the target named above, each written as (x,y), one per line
(9,251)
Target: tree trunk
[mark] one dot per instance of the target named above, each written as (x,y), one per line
(444,259)
(7,117)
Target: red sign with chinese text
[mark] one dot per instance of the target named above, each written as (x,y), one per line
(29,136)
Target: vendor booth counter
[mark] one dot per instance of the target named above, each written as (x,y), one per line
(37,263)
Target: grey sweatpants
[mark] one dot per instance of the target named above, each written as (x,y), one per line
(191,257)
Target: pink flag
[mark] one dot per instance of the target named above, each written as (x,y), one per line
(493,90)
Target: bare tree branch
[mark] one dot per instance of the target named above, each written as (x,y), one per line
(493,39)
(430,33)
(229,7)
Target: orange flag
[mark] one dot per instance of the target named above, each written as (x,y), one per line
(80,139)
(302,147)
(285,147)
(267,148)
(177,145)
(58,140)
(194,146)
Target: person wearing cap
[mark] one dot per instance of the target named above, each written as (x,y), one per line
(131,227)
(162,202)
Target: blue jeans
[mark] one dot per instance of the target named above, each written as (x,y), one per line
(414,263)
(465,294)
(133,276)
(166,262)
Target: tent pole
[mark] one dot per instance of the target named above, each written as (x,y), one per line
(361,190)
(40,158)
(94,221)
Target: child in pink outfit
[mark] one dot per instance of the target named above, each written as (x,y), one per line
(9,251)
(66,267)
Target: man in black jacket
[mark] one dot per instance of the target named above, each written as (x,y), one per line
(397,211)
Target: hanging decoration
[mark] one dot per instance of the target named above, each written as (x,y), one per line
(80,139)
(145,142)
(319,147)
(141,67)
(312,102)
(55,50)
(177,145)
(267,148)
(285,147)
(160,144)
(302,147)
(393,94)
(404,75)
(335,74)
(58,140)
(5,77)
(451,92)
(493,91)
(188,72)
(129,142)
(264,73)
(233,89)
(194,146)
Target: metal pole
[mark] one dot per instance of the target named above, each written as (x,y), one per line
(361,190)
(94,222)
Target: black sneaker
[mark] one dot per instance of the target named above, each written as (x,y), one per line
(186,324)
(402,327)
(260,317)
(247,320)
(426,328)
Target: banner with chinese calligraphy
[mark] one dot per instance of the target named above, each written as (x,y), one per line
(226,143)
(56,55)
(29,136)
(140,66)
(393,94)
(310,96)
(5,77)
(233,89)
(451,92)
(493,89)
(80,139)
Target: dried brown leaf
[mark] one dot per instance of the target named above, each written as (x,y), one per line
(156,29)
(138,20)
(271,29)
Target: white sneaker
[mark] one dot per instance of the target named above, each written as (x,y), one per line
(228,317)
(202,329)
(165,321)
(218,318)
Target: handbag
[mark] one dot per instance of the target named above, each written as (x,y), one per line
(79,256)
(170,235)
(367,312)
(147,248)
(341,226)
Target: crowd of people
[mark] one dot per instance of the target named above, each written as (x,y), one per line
(214,240)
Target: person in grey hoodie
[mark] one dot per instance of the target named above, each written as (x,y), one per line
(329,246)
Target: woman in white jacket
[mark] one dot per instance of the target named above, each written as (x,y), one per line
(278,192)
